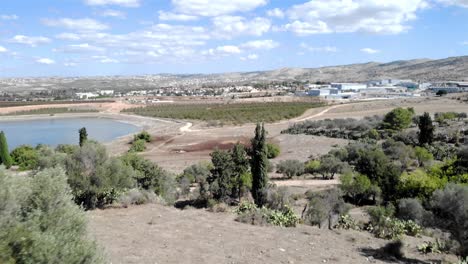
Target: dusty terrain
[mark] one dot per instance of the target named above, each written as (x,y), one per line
(159,234)
(190,143)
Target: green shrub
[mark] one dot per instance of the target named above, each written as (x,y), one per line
(96,179)
(25,157)
(384,225)
(347,222)
(273,150)
(290,168)
(312,166)
(143,135)
(449,206)
(411,209)
(358,187)
(249,213)
(418,184)
(40,223)
(277,198)
(398,119)
(138,146)
(322,206)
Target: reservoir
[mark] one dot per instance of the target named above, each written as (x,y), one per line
(57,131)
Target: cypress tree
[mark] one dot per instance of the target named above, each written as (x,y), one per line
(83,136)
(5,157)
(259,164)
(426,129)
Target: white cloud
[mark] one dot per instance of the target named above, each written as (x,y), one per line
(222,51)
(9,17)
(80,48)
(371,16)
(3,49)
(83,24)
(113,13)
(278,13)
(465,43)
(31,41)
(462,3)
(124,3)
(169,16)
(105,59)
(46,61)
(328,49)
(250,57)
(370,51)
(216,7)
(68,36)
(70,64)
(230,26)
(260,44)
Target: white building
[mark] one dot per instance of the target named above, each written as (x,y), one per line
(349,87)
(86,95)
(106,92)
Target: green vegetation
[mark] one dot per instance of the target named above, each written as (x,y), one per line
(40,223)
(251,214)
(83,136)
(290,168)
(52,111)
(138,146)
(5,158)
(259,161)
(228,113)
(273,150)
(143,135)
(26,157)
(398,119)
(426,129)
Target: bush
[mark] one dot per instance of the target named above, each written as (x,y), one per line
(138,146)
(290,168)
(96,179)
(143,135)
(330,166)
(411,209)
(384,225)
(136,197)
(40,223)
(277,198)
(273,150)
(398,119)
(449,206)
(358,187)
(249,213)
(25,157)
(418,184)
(312,167)
(322,206)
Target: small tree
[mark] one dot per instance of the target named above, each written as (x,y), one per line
(259,163)
(5,157)
(450,208)
(222,180)
(426,129)
(83,136)
(273,150)
(398,119)
(290,168)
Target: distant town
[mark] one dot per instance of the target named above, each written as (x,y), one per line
(150,89)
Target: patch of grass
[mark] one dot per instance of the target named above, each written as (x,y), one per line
(238,113)
(51,111)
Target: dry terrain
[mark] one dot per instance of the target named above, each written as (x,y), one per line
(159,234)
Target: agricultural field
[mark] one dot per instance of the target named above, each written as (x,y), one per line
(15,104)
(239,113)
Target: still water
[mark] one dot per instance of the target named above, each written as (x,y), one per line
(63,131)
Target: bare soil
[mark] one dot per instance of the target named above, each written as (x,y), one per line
(159,234)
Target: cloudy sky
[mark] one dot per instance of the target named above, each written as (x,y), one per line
(115,37)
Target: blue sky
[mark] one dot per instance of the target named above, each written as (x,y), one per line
(127,37)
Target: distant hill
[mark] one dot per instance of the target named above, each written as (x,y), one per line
(454,68)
